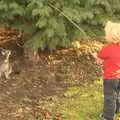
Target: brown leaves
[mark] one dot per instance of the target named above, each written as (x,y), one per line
(9,35)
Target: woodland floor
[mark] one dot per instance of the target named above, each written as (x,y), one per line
(34,93)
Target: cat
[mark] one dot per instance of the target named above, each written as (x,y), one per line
(5,66)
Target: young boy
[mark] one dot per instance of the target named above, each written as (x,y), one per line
(110,58)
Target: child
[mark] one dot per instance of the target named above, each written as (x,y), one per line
(110,56)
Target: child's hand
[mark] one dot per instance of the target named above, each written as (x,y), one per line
(99,61)
(94,55)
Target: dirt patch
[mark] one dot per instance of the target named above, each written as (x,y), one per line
(21,95)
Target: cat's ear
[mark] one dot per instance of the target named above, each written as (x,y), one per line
(9,52)
(3,52)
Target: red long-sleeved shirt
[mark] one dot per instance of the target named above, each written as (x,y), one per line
(110,54)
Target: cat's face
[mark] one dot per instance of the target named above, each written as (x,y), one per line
(6,52)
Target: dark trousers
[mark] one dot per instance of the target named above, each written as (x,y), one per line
(111,98)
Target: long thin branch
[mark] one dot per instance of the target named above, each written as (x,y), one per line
(68,18)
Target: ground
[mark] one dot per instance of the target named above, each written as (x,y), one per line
(38,91)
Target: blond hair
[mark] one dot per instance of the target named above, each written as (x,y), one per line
(114,30)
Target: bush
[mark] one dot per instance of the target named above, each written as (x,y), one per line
(51,24)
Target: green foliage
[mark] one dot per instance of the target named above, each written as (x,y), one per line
(55,23)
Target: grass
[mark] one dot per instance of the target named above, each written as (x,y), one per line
(82,102)
(79,103)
